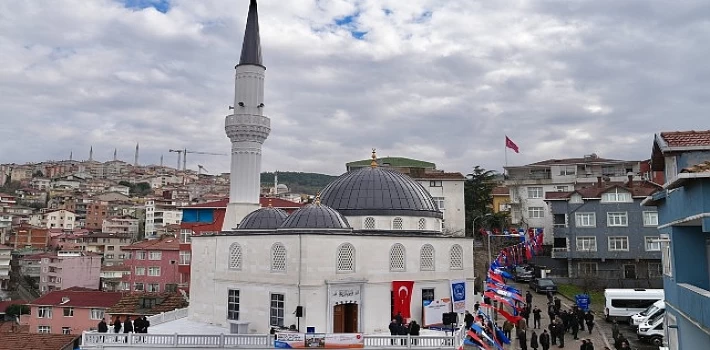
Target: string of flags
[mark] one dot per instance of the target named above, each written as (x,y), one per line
(529,246)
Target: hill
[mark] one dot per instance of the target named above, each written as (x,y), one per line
(308,183)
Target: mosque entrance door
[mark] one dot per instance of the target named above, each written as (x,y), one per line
(345,318)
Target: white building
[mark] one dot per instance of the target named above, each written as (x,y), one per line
(62,219)
(336,259)
(120,224)
(157,217)
(40,183)
(124,190)
(447,189)
(5,257)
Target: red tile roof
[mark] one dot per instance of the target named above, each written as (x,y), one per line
(13,327)
(164,243)
(79,297)
(35,341)
(686,138)
(500,191)
(703,167)
(263,201)
(130,304)
(639,189)
(6,303)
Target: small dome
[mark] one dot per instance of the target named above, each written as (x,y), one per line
(266,218)
(315,216)
(379,191)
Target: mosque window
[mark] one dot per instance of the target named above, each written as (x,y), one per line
(278,257)
(235,256)
(397,258)
(422,224)
(397,223)
(346,258)
(369,223)
(456,257)
(426,258)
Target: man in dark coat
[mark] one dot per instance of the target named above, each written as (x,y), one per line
(553,331)
(102,327)
(394,330)
(589,319)
(399,318)
(414,331)
(468,319)
(117,325)
(545,340)
(533,341)
(615,330)
(146,324)
(523,339)
(558,304)
(128,325)
(138,325)
(536,317)
(574,326)
(528,298)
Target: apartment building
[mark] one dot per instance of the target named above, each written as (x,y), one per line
(160,213)
(96,212)
(30,266)
(153,265)
(125,224)
(5,258)
(109,245)
(61,219)
(27,236)
(69,311)
(64,269)
(528,184)
(603,234)
(112,276)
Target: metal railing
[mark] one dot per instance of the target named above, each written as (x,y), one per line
(167,316)
(94,340)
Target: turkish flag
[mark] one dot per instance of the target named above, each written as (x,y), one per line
(510,144)
(403,297)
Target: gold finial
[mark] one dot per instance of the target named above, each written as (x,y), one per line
(270,205)
(317,200)
(373,164)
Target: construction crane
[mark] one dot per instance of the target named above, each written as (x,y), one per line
(200,168)
(179,152)
(184,153)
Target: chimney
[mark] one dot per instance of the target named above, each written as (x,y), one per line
(599,181)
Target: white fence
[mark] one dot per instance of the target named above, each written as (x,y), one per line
(94,340)
(167,316)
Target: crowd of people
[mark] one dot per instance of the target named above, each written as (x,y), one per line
(398,327)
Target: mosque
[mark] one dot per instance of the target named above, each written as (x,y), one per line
(331,264)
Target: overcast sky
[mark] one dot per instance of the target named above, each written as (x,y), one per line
(442,81)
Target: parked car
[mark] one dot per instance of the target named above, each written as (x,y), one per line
(543,285)
(522,274)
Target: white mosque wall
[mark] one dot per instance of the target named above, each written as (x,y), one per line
(386,222)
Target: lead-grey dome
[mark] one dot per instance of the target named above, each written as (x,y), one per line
(266,218)
(379,191)
(315,216)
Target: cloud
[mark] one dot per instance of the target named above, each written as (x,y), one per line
(432,80)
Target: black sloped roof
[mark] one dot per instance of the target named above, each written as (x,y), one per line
(267,218)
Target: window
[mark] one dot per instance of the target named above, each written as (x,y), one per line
(235,256)
(233,304)
(456,257)
(655,270)
(154,271)
(140,271)
(140,255)
(66,330)
(346,258)
(185,236)
(562,188)
(536,212)
(576,199)
(436,183)
(153,287)
(44,312)
(397,223)
(617,219)
(618,243)
(568,170)
(68,311)
(585,219)
(535,192)
(155,255)
(587,244)
(422,224)
(97,314)
(439,201)
(185,257)
(147,303)
(111,248)
(397,258)
(666,256)
(44,329)
(369,223)
(650,218)
(587,268)
(109,256)
(277,310)
(278,257)
(617,196)
(122,256)
(171,288)
(426,258)
(125,286)
(653,244)
(630,271)
(139,287)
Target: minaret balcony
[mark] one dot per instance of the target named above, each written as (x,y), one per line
(247,127)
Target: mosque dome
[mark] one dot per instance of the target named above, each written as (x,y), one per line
(267,218)
(379,191)
(315,215)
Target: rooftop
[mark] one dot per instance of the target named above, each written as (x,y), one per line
(163,243)
(439,175)
(6,303)
(13,341)
(686,138)
(79,297)
(584,160)
(130,304)
(500,191)
(399,162)
(638,189)
(263,201)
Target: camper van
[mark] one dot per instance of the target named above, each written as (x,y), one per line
(651,331)
(621,304)
(653,310)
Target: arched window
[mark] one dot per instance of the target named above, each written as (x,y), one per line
(422,224)
(397,258)
(397,223)
(346,258)
(456,257)
(369,223)
(235,256)
(278,257)
(426,258)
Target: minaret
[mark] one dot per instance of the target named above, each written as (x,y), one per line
(135,159)
(115,154)
(71,155)
(247,127)
(276,183)
(161,160)
(91,153)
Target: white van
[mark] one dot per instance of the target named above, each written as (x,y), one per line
(651,331)
(621,304)
(644,315)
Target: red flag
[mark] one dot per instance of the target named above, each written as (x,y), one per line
(475,337)
(510,144)
(403,297)
(509,317)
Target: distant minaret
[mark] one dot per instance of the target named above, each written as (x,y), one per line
(135,160)
(247,128)
(276,183)
(161,160)
(115,154)
(71,155)
(91,153)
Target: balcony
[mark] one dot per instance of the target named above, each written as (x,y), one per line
(691,300)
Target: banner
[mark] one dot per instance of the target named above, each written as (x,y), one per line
(403,298)
(319,340)
(433,311)
(458,295)
(344,341)
(290,341)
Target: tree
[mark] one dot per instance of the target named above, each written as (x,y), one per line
(38,173)
(17,310)
(478,197)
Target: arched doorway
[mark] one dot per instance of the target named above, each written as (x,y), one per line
(345,318)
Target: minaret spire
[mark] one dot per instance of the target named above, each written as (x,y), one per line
(135,160)
(251,47)
(91,153)
(115,154)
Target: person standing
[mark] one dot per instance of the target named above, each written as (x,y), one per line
(399,318)
(589,319)
(128,325)
(560,333)
(590,345)
(574,325)
(537,317)
(533,341)
(507,328)
(584,345)
(138,325)
(615,330)
(468,319)
(117,324)
(414,331)
(528,298)
(394,331)
(545,340)
(553,331)
(558,304)
(146,324)
(522,338)
(102,326)
(526,314)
